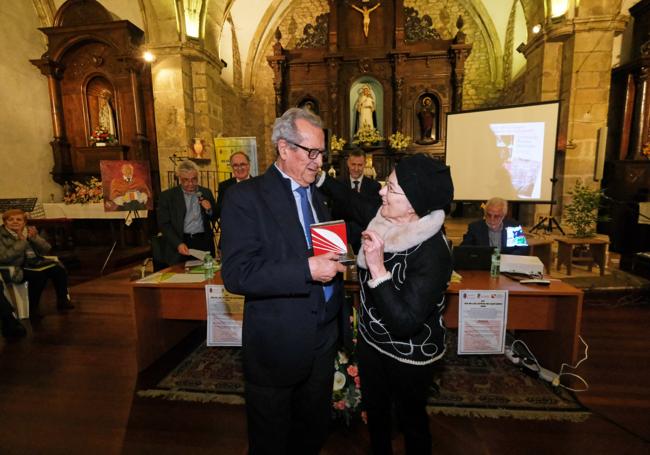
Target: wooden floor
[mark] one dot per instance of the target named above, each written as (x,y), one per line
(68,388)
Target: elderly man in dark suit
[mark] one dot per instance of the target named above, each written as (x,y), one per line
(491,230)
(241,168)
(185,216)
(292,311)
(368,187)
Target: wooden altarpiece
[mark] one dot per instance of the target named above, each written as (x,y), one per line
(416,76)
(96,76)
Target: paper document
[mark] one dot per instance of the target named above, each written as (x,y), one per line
(482,317)
(192,263)
(171,277)
(198,254)
(225,316)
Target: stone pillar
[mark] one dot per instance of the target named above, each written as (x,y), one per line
(173,99)
(588,99)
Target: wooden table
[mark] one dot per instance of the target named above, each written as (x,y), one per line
(543,249)
(546,317)
(597,249)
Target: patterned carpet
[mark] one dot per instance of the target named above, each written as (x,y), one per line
(479,386)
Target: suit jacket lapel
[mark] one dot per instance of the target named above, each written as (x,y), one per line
(278,197)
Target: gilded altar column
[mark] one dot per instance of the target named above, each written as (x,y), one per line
(60,146)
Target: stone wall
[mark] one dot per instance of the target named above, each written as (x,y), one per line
(25,120)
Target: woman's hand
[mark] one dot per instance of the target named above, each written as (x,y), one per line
(373,249)
(32,232)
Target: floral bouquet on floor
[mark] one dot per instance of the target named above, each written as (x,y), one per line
(82,193)
(346,396)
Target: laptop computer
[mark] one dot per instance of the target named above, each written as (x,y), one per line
(472,257)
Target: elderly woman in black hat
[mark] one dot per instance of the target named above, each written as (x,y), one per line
(404,270)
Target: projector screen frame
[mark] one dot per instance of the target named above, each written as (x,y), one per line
(552,179)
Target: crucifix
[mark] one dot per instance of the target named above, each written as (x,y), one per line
(366,16)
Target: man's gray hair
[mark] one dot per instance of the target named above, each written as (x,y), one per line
(285,126)
(497,202)
(187,166)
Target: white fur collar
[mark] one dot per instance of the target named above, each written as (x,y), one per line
(400,237)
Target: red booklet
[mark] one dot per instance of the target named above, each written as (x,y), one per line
(329,237)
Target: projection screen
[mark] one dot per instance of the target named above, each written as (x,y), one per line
(507,152)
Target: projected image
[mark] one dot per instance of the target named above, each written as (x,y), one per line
(520,148)
(507,152)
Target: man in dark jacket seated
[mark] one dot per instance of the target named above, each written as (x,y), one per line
(492,229)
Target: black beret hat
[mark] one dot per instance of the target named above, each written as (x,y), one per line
(426,183)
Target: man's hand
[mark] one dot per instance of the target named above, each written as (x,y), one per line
(206,205)
(324,267)
(183,249)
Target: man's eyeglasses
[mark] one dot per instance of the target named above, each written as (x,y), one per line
(239,166)
(311,153)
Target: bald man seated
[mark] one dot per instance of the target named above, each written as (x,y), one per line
(492,230)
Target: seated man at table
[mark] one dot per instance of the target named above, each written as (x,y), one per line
(185,217)
(493,229)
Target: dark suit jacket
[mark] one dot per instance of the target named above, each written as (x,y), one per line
(171,216)
(265,258)
(223,186)
(369,189)
(477,235)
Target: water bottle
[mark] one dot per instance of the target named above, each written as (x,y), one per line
(208,266)
(495,266)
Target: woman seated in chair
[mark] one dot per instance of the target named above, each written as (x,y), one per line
(23,248)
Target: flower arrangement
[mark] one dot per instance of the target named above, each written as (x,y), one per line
(346,396)
(101,135)
(82,193)
(346,392)
(398,141)
(367,134)
(336,143)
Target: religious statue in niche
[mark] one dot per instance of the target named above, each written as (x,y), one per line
(365,108)
(427,114)
(106,113)
(101,111)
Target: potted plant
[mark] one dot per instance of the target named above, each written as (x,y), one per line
(582,212)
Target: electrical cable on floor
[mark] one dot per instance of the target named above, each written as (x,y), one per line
(575,367)
(525,357)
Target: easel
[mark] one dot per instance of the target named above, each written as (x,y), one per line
(550,219)
(128,220)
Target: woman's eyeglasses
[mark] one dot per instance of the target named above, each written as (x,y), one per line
(391,190)
(311,153)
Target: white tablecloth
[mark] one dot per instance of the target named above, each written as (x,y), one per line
(92,210)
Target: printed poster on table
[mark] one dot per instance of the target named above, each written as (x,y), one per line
(225,316)
(482,318)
